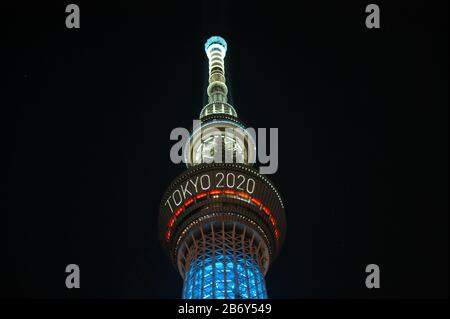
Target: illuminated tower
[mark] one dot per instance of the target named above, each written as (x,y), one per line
(221,221)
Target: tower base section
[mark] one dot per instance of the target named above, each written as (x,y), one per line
(223,260)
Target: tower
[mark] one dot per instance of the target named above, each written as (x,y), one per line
(221,222)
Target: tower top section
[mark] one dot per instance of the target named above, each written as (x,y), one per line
(221,137)
(215,43)
(216,50)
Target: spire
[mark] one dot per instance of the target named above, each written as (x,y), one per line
(216,50)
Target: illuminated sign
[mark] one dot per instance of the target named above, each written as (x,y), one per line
(205,182)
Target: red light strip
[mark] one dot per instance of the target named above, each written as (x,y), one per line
(217,192)
(200,195)
(188,202)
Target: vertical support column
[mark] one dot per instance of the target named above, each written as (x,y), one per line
(237,292)
(188,271)
(213,283)
(245,262)
(195,267)
(255,274)
(260,269)
(225,283)
(203,263)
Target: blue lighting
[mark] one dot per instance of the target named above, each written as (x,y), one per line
(223,278)
(215,40)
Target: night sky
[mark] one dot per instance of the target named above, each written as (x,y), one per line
(363,140)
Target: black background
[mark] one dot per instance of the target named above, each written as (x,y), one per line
(363,137)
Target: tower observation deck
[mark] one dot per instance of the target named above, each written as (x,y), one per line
(221,222)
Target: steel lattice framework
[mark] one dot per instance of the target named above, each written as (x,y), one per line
(224,260)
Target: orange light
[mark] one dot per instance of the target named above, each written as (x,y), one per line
(244,195)
(217,192)
(272,220)
(188,202)
(257,202)
(200,195)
